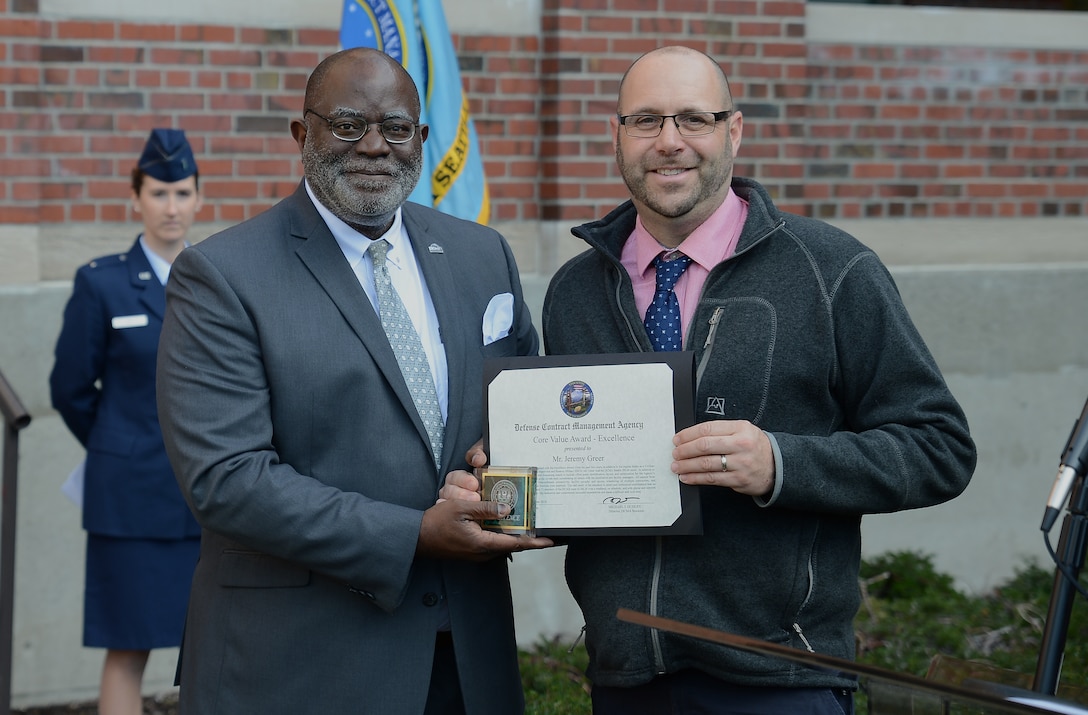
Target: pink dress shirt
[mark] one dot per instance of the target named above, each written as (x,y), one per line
(707,246)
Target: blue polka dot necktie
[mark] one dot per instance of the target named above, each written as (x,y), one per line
(408,348)
(663,316)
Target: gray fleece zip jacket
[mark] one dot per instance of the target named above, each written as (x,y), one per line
(803,333)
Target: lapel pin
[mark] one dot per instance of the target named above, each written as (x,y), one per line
(435,248)
(144,275)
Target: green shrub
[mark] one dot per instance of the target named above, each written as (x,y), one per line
(553,675)
(909,614)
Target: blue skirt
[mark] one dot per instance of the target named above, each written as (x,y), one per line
(137,591)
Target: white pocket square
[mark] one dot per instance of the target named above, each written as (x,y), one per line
(498,318)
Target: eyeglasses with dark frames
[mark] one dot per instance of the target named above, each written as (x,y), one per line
(689,124)
(352,129)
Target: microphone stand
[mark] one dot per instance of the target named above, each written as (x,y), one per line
(1070,558)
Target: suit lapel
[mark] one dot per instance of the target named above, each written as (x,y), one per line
(430,248)
(151,293)
(322,256)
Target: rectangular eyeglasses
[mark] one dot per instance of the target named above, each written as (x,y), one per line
(689,124)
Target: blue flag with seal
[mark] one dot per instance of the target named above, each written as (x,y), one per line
(416,35)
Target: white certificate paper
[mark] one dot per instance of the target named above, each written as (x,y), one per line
(599,435)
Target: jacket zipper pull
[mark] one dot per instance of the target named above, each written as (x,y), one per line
(713,326)
(577,640)
(797,629)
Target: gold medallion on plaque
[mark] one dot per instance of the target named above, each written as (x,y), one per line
(515,487)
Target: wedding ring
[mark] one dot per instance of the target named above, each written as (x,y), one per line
(725,464)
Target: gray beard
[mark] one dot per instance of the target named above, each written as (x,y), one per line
(326,172)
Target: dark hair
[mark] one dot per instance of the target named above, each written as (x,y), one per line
(316,81)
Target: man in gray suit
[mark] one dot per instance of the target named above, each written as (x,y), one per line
(330,581)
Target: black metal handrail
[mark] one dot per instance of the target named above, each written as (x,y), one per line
(15,418)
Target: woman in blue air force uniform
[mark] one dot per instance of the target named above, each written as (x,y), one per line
(142,541)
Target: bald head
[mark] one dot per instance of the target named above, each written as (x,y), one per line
(675,63)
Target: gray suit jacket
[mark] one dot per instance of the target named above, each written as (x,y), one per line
(296,444)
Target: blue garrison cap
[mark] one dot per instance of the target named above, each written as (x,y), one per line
(167,156)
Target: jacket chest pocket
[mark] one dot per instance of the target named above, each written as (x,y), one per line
(735,341)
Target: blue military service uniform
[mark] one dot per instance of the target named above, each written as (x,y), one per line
(143,541)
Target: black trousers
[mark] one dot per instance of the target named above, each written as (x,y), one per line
(444,696)
(691,692)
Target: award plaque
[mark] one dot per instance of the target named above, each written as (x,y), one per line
(515,487)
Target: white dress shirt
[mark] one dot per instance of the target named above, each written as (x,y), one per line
(158,264)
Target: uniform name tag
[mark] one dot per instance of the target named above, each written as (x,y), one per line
(129,321)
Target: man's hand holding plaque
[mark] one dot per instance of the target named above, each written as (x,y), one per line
(464,486)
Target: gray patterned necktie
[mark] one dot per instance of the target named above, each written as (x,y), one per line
(408,348)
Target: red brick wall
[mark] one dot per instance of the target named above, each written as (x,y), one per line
(78,99)
(833,131)
(945,132)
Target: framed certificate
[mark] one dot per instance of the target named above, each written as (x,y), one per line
(598,431)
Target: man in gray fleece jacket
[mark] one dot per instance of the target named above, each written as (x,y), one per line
(817,401)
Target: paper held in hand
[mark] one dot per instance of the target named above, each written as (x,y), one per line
(598,430)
